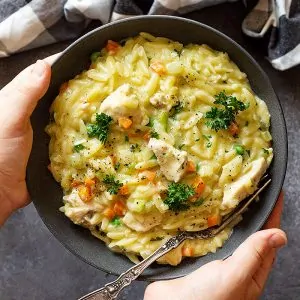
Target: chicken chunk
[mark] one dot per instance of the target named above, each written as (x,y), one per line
(162,100)
(142,223)
(172,162)
(123,102)
(245,185)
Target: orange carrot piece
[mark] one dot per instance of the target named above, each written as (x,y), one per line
(187,251)
(124,122)
(190,167)
(119,208)
(89,182)
(146,136)
(158,68)
(76,183)
(109,213)
(124,190)
(233,129)
(85,193)
(213,220)
(150,175)
(112,47)
(199,185)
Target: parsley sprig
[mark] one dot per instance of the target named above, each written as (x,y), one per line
(219,118)
(177,195)
(112,184)
(100,128)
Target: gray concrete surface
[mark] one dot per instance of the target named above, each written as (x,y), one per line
(35,266)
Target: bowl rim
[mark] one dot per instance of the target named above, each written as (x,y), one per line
(258,226)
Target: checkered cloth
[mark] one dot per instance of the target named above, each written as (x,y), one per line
(27,24)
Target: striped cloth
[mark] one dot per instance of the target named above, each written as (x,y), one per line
(27,24)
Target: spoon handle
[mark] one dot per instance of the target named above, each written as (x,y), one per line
(111,290)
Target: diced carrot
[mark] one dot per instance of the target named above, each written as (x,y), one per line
(119,208)
(150,175)
(233,129)
(146,136)
(124,190)
(190,166)
(198,185)
(85,193)
(89,182)
(187,251)
(124,122)
(213,220)
(158,68)
(112,47)
(76,183)
(109,213)
(63,87)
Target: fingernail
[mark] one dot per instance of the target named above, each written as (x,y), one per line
(277,240)
(39,68)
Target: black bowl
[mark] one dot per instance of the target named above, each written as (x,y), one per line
(47,194)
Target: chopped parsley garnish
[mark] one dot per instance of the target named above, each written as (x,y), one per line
(151,122)
(154,134)
(100,128)
(181,146)
(177,195)
(78,148)
(198,167)
(116,221)
(199,202)
(94,56)
(208,137)
(153,157)
(239,149)
(134,147)
(126,138)
(221,118)
(176,109)
(266,151)
(112,185)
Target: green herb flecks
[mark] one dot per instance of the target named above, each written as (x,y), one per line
(112,184)
(221,118)
(134,147)
(177,195)
(100,128)
(154,134)
(239,149)
(208,137)
(78,148)
(94,56)
(199,202)
(176,109)
(116,221)
(266,151)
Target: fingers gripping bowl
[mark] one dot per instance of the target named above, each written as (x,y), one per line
(172,114)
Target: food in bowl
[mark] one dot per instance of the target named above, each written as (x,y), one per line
(154,138)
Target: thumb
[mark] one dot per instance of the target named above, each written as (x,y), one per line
(252,253)
(19,98)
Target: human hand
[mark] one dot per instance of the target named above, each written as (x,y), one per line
(240,277)
(17,102)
